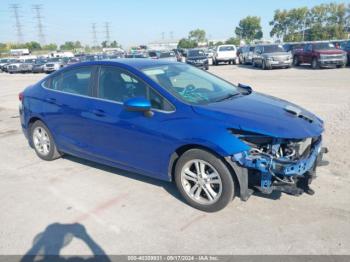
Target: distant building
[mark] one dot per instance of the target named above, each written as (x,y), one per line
(19,52)
(163,45)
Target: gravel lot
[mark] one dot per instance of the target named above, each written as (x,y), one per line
(125,213)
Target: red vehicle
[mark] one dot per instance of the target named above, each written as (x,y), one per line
(323,54)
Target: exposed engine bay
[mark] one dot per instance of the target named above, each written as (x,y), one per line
(279,164)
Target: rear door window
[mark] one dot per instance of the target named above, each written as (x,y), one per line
(75,81)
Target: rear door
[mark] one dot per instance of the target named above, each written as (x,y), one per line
(67,107)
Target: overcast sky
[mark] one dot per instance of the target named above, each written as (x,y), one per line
(137,21)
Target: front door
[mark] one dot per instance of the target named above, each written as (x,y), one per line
(129,139)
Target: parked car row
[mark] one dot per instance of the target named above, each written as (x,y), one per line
(316,54)
(48,65)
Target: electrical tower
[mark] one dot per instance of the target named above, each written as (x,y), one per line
(94,35)
(18,25)
(107,33)
(37,9)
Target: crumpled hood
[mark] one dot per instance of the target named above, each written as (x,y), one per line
(264,114)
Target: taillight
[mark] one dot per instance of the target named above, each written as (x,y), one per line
(21,96)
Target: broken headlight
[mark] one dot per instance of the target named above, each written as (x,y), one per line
(274,148)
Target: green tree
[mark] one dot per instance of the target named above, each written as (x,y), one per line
(50,47)
(33,46)
(187,43)
(233,41)
(321,22)
(249,28)
(198,35)
(69,45)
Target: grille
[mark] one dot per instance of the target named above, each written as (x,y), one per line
(280,58)
(332,57)
(50,65)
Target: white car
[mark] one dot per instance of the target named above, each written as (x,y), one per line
(53,64)
(225,53)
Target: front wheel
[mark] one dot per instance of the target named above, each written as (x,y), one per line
(204,180)
(315,64)
(43,142)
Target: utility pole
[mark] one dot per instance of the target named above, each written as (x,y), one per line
(41,35)
(94,35)
(18,24)
(163,35)
(107,33)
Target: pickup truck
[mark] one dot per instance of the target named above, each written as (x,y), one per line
(322,54)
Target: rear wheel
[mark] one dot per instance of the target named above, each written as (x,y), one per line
(43,142)
(296,61)
(204,180)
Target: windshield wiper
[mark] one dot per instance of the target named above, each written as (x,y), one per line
(229,96)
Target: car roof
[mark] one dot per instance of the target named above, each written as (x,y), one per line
(137,63)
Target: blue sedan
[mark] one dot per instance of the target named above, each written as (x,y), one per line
(174,122)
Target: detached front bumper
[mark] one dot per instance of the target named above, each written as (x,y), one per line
(268,174)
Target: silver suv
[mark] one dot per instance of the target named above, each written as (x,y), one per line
(271,56)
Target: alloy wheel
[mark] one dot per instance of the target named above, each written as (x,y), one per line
(201,182)
(41,141)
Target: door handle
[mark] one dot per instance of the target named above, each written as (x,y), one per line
(51,100)
(99,112)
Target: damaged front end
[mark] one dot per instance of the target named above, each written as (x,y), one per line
(286,165)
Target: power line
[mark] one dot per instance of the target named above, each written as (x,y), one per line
(107,32)
(94,35)
(18,25)
(41,35)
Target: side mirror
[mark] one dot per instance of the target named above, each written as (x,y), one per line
(246,87)
(138,104)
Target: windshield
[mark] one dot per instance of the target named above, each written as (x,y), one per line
(345,45)
(196,53)
(324,46)
(227,48)
(273,49)
(190,84)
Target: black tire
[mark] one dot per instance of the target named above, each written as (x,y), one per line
(228,186)
(53,152)
(315,64)
(296,61)
(254,63)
